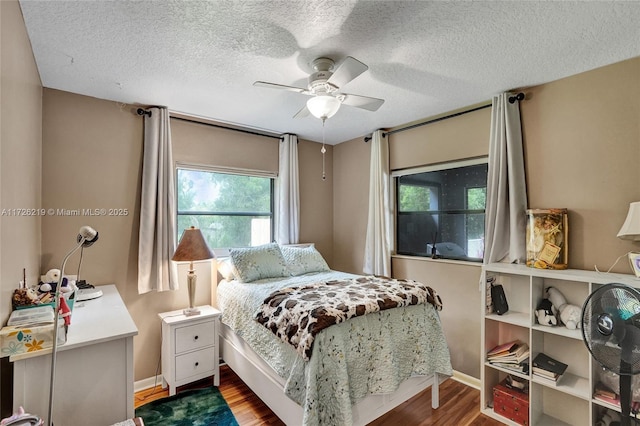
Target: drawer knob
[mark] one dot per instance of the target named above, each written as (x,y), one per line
(196,337)
(197,363)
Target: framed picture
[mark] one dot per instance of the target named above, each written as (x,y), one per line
(634,259)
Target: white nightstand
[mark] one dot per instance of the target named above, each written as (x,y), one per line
(189,347)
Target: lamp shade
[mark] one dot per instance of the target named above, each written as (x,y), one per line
(323,106)
(631,227)
(192,247)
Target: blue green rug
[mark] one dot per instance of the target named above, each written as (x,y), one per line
(194,407)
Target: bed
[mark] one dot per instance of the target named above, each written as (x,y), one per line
(356,370)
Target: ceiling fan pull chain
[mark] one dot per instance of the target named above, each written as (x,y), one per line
(323,151)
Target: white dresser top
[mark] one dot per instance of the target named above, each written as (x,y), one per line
(99,320)
(94,321)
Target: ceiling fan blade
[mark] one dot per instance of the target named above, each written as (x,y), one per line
(347,71)
(364,102)
(282,87)
(304,112)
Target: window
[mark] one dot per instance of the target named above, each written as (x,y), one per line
(444,204)
(231,209)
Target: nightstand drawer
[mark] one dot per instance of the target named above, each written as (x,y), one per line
(195,363)
(195,336)
(189,347)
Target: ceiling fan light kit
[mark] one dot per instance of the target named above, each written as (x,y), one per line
(324,88)
(323,106)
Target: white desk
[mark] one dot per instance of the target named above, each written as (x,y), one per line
(94,368)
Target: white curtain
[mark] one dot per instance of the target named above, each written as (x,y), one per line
(377,250)
(506,186)
(288,212)
(157,240)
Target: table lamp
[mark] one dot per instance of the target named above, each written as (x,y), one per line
(631,231)
(631,227)
(192,247)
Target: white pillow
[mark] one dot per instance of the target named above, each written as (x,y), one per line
(303,260)
(226,269)
(256,263)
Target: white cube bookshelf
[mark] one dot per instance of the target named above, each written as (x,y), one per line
(570,402)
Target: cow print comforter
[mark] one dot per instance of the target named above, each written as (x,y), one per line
(297,314)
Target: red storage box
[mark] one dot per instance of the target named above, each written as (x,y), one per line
(511,403)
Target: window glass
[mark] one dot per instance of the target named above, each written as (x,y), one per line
(231,210)
(445,206)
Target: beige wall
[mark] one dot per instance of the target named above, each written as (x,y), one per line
(582,145)
(93,158)
(350,204)
(581,136)
(316,198)
(582,150)
(20,164)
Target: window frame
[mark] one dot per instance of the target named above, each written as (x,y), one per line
(230,171)
(395,176)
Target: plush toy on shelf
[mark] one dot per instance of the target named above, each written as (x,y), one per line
(546,313)
(569,314)
(609,418)
(50,283)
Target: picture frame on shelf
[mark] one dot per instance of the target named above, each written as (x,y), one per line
(634,259)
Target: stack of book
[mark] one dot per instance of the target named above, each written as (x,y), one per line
(547,369)
(604,394)
(512,355)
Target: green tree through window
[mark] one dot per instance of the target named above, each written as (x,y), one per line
(476,200)
(232,210)
(414,198)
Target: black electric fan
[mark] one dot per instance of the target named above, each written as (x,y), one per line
(611,331)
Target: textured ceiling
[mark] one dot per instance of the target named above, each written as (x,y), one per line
(425,58)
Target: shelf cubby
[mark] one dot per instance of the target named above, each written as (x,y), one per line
(570,401)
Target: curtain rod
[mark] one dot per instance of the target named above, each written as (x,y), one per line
(141,111)
(512,99)
(435,120)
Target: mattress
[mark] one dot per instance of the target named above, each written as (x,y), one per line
(371,354)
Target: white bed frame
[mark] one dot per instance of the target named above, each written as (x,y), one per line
(269,387)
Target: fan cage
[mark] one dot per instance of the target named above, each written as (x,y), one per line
(616,349)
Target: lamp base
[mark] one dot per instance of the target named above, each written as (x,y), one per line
(189,312)
(191,286)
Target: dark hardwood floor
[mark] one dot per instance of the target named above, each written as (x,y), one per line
(459,405)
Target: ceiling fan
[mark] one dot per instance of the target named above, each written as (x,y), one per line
(324,88)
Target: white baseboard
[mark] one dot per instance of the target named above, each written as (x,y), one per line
(147,383)
(151,382)
(466,379)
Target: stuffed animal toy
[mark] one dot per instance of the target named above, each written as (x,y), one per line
(609,418)
(569,314)
(52,276)
(546,313)
(50,283)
